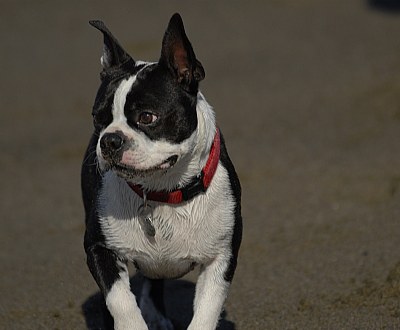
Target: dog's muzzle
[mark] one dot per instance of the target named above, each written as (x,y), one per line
(112,144)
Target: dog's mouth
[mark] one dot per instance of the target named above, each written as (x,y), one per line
(169,162)
(127,171)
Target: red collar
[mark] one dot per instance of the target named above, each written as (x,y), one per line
(198,184)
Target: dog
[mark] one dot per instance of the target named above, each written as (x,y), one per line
(159,189)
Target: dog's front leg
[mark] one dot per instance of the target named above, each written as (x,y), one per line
(211,292)
(111,274)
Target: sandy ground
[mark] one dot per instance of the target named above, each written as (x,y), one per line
(307,93)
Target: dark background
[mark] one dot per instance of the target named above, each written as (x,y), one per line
(307,93)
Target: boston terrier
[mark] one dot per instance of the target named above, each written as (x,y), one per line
(158,187)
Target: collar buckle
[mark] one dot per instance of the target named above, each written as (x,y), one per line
(195,187)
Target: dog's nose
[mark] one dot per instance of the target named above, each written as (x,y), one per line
(111,142)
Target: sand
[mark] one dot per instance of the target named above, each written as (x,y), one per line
(307,94)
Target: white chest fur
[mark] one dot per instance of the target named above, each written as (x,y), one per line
(190,233)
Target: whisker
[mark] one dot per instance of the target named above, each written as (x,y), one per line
(89,155)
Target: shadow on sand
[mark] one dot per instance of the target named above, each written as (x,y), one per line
(179,295)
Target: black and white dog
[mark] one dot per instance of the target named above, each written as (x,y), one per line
(158,186)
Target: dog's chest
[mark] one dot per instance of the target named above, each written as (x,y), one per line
(185,235)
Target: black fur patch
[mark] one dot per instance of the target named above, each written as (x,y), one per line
(156,91)
(238,226)
(110,80)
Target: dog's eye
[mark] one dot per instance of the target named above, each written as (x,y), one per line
(147,118)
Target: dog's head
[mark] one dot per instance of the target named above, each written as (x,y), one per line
(145,113)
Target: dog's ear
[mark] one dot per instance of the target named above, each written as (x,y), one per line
(113,54)
(178,55)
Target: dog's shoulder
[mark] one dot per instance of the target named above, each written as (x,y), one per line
(227,163)
(238,222)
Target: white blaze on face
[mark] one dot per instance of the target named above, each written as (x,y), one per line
(120,100)
(119,122)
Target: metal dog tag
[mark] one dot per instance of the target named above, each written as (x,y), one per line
(146,218)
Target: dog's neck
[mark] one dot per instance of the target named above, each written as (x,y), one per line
(191,165)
